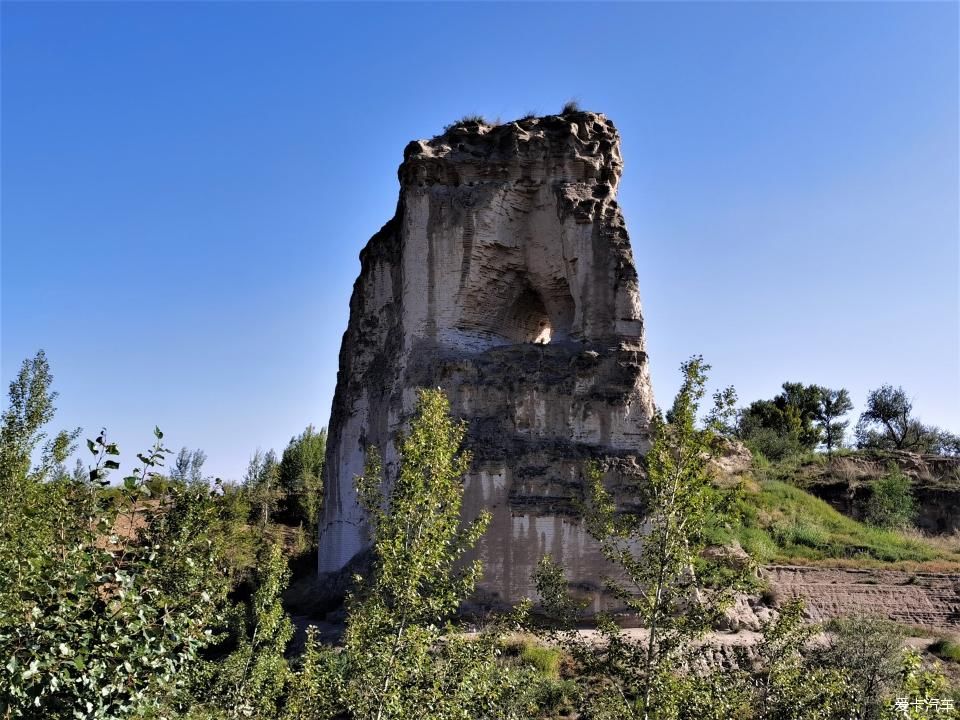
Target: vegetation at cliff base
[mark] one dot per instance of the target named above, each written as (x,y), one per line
(156,592)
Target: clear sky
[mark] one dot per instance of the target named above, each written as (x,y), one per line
(186,187)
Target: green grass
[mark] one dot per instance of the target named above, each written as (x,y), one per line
(779,523)
(546,660)
(469,119)
(946,649)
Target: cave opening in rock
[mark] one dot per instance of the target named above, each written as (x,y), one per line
(527,320)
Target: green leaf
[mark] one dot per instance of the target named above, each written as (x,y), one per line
(130,482)
(92,446)
(156,431)
(112,449)
(111,465)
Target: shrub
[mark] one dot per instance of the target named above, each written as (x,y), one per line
(468,119)
(545,659)
(571,106)
(120,597)
(868,651)
(946,649)
(251,680)
(891,504)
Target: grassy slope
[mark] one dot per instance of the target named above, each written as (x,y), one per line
(779,523)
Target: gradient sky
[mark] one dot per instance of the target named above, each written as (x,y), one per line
(186,187)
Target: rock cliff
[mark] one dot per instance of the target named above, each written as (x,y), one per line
(505,277)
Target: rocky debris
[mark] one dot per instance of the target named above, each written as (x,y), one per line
(746,613)
(732,463)
(506,278)
(732,555)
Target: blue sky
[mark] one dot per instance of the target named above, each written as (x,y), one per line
(186,187)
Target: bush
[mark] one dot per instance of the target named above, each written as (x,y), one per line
(468,119)
(946,649)
(869,652)
(768,442)
(251,680)
(891,504)
(120,596)
(544,659)
(571,106)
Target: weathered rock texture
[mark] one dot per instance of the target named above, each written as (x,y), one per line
(914,598)
(506,278)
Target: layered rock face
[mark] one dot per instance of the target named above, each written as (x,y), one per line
(506,278)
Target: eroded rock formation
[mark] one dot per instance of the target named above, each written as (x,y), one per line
(506,278)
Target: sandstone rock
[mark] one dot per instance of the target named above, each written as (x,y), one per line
(745,614)
(732,462)
(506,278)
(732,555)
(913,598)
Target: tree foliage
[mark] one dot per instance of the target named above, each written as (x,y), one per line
(187,466)
(301,478)
(395,661)
(252,679)
(103,604)
(784,425)
(30,408)
(654,537)
(832,406)
(888,423)
(891,502)
(788,685)
(262,484)
(869,652)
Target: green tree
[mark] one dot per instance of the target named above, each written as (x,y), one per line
(252,679)
(317,686)
(869,652)
(301,477)
(187,466)
(30,408)
(943,442)
(919,693)
(833,405)
(262,483)
(655,538)
(788,685)
(888,422)
(400,661)
(784,425)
